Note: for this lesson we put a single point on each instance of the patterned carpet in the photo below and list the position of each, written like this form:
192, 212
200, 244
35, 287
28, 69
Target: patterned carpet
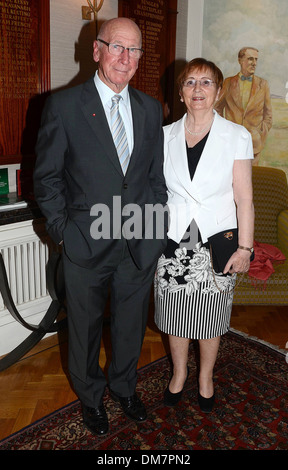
251, 411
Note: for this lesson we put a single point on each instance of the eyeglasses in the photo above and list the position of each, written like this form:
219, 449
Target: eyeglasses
117, 50
204, 83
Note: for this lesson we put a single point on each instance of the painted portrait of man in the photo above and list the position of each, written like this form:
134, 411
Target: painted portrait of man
245, 99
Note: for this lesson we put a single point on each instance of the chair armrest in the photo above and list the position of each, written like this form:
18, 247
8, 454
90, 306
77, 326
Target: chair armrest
282, 227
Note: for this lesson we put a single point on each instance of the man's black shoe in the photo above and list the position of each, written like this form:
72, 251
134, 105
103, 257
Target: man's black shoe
132, 407
95, 419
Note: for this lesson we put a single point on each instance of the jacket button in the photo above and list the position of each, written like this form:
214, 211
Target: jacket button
125, 185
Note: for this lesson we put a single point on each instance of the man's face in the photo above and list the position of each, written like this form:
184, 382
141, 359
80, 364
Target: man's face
248, 62
117, 71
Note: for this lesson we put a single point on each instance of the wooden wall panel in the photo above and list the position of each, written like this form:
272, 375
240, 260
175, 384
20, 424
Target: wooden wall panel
24, 74
157, 21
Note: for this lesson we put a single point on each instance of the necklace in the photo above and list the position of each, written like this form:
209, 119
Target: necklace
200, 132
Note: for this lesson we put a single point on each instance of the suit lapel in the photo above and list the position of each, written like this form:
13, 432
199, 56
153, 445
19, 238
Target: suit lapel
211, 153
95, 115
254, 90
177, 153
138, 116
235, 92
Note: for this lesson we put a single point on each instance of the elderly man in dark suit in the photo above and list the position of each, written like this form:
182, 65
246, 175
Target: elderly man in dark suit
91, 173
245, 99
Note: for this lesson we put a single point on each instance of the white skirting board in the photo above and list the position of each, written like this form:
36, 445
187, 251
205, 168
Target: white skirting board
12, 333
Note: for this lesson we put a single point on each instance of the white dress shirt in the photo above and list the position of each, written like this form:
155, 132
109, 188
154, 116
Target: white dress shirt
124, 107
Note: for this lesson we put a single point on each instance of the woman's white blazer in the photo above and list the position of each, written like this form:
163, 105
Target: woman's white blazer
208, 198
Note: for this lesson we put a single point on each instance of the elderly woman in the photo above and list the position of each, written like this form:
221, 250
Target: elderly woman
207, 167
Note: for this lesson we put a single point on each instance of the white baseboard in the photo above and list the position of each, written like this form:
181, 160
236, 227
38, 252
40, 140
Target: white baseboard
12, 333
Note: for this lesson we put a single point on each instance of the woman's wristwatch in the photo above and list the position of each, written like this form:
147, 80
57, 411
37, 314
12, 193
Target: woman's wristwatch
248, 249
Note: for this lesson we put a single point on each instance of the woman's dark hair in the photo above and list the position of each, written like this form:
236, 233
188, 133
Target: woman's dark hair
200, 64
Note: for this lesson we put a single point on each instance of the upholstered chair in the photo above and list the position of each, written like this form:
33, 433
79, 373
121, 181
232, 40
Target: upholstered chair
271, 227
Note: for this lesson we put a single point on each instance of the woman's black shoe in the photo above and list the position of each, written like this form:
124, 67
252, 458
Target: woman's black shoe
206, 404
171, 399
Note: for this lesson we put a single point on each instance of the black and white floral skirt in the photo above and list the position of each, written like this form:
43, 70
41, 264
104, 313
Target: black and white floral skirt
191, 301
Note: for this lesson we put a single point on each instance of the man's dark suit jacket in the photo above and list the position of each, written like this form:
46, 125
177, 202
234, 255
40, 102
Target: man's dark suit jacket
77, 167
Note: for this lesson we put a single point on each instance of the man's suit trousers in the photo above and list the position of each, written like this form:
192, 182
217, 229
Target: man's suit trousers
87, 292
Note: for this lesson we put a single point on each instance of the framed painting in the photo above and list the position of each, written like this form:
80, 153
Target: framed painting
228, 26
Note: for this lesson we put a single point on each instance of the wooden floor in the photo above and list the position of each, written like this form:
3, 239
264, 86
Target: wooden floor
38, 384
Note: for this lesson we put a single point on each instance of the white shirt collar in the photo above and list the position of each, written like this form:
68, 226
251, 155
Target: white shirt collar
106, 93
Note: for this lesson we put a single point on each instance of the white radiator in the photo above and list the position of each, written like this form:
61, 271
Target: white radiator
25, 249
25, 265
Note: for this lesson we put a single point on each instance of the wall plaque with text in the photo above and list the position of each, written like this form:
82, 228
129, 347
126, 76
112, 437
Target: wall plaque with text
24, 70
157, 21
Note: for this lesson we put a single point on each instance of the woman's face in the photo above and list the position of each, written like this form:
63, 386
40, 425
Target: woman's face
202, 94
